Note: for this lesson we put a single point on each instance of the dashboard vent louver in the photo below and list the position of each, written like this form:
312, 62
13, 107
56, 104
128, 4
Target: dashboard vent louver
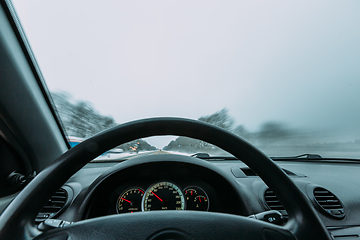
54, 206
274, 203
328, 202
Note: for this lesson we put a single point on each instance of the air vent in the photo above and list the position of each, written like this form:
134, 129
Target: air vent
328, 202
274, 203
55, 205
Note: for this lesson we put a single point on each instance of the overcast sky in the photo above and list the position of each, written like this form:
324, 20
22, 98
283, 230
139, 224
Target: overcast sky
297, 62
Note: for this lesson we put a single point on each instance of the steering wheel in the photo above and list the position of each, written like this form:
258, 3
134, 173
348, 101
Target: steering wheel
17, 221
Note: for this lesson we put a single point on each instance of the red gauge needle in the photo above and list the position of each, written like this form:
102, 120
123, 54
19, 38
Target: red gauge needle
156, 196
199, 199
126, 200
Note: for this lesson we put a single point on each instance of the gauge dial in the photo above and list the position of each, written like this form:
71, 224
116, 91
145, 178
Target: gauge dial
163, 196
196, 199
201, 203
130, 200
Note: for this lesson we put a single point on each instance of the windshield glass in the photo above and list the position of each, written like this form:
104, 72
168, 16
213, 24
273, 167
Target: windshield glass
284, 75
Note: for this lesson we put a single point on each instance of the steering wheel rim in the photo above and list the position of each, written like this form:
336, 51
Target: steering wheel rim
17, 221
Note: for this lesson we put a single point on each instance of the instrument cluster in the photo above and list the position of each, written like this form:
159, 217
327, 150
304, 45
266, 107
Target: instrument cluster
161, 186
163, 195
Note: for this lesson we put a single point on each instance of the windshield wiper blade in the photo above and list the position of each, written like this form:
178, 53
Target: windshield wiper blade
302, 156
315, 158
201, 155
307, 156
206, 156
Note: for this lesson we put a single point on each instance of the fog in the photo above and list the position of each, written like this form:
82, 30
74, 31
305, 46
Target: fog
295, 63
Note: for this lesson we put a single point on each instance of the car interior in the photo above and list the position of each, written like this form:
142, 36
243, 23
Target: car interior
52, 191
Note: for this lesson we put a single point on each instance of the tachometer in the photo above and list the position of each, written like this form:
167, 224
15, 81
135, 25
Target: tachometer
130, 200
163, 196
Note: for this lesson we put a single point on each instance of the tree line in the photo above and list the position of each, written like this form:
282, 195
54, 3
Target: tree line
270, 132
80, 119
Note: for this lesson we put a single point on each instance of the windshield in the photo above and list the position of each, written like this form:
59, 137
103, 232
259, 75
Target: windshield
284, 75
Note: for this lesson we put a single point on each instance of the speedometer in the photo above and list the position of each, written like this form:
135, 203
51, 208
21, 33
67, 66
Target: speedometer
163, 196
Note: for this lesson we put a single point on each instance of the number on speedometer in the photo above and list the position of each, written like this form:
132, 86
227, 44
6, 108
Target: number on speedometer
163, 196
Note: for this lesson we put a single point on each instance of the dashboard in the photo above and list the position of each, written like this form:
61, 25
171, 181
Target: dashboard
174, 182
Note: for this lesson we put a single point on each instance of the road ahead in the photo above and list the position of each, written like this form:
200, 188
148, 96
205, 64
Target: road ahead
126, 156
